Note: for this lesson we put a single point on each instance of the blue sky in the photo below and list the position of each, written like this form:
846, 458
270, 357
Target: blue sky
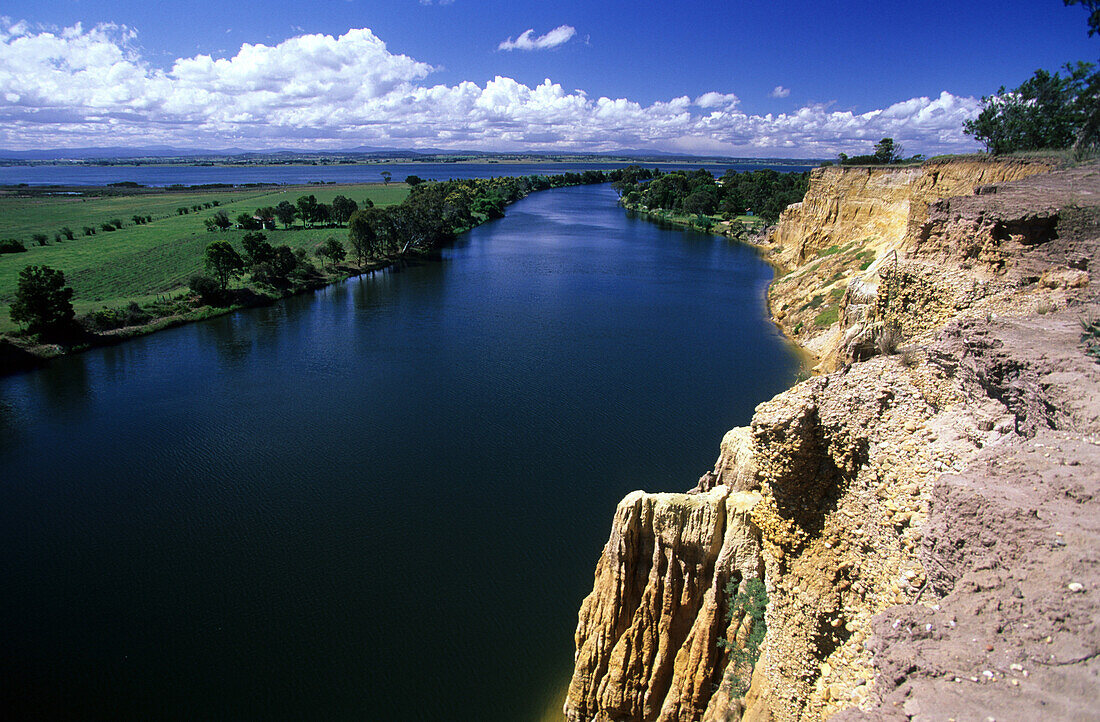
740, 78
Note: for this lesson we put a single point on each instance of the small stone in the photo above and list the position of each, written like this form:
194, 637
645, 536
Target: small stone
1014, 682
1016, 667
1075, 587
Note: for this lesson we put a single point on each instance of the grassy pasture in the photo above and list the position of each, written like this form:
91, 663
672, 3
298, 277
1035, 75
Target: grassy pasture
141, 262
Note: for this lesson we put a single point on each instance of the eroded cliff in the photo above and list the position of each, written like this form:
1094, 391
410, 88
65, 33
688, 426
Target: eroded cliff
891, 506
851, 223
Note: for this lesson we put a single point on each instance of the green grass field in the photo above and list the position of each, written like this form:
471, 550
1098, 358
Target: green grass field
141, 262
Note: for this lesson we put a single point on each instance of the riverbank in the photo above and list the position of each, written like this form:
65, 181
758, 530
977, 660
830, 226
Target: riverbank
21, 354
857, 495
736, 228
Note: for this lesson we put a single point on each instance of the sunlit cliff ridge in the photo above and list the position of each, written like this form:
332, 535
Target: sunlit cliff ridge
923, 512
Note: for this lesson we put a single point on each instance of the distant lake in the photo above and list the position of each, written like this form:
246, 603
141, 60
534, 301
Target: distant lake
381, 501
154, 175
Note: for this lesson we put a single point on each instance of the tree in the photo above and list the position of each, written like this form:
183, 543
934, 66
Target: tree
386, 175
42, 300
1093, 8
248, 222
703, 201
266, 214
887, 151
257, 250
342, 208
333, 250
221, 220
286, 213
367, 232
307, 209
224, 262
413, 180
1047, 112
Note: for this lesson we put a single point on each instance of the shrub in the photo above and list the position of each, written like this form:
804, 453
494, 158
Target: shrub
750, 603
12, 246
68, 233
814, 302
887, 340
207, 289
107, 319
40, 238
89, 231
1090, 336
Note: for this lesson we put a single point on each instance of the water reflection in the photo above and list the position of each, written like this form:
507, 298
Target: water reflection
10, 428
63, 387
231, 338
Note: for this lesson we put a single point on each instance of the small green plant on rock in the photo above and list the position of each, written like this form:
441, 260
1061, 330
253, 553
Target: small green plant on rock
1090, 335
827, 317
748, 606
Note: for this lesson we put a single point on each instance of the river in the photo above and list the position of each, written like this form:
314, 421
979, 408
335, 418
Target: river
382, 501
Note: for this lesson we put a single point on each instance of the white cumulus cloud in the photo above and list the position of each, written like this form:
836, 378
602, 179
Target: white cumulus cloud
92, 86
780, 92
712, 99
552, 39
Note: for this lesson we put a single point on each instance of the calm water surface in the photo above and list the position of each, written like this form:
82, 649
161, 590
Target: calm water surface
382, 501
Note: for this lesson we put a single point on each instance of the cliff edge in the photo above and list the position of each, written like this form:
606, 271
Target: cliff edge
924, 516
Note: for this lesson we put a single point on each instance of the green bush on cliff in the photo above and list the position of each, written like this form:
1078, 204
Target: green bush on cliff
1090, 336
746, 605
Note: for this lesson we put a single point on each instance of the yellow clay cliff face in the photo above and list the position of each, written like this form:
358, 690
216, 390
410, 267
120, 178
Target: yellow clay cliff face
646, 636
829, 496
851, 223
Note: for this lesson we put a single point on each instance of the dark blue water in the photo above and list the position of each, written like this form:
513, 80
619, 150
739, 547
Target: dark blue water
382, 501
154, 175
